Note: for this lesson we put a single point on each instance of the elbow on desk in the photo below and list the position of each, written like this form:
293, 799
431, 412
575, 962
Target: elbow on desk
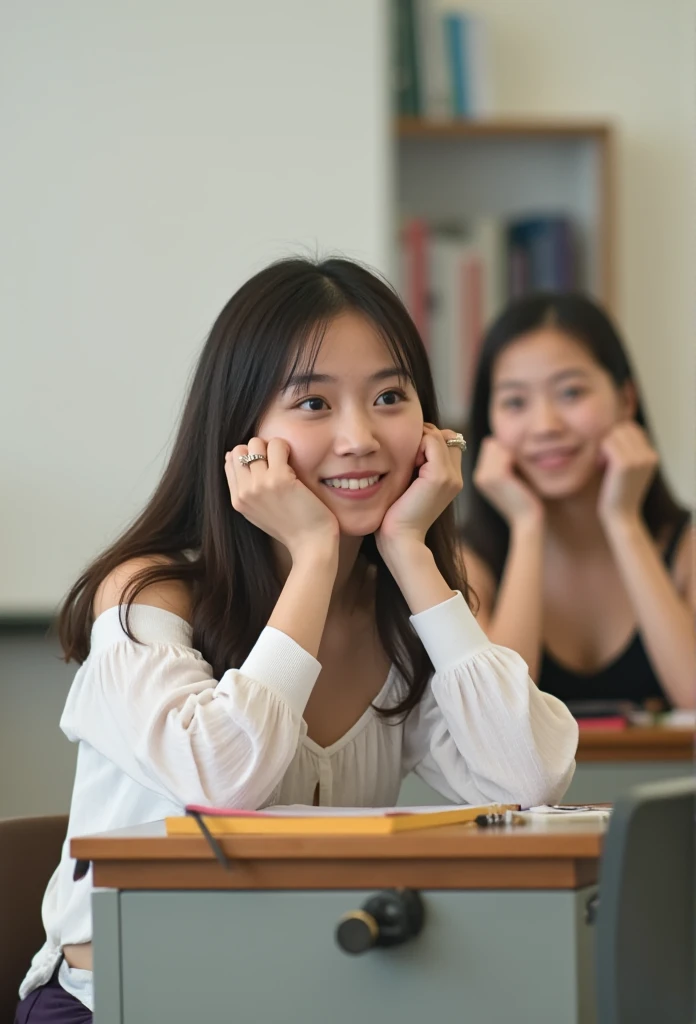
547, 789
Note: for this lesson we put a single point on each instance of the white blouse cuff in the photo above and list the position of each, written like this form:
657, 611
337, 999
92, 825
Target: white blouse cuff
449, 632
283, 667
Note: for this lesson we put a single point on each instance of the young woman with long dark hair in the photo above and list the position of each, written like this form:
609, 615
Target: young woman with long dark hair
582, 560
286, 621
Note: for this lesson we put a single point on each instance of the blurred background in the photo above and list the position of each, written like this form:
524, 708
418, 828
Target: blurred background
156, 153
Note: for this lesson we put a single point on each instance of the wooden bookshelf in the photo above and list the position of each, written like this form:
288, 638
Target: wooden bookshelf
415, 127
511, 167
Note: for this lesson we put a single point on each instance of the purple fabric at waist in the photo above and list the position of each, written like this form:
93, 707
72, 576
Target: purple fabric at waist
51, 1004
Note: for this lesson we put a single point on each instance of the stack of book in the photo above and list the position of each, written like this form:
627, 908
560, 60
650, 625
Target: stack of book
441, 62
455, 279
299, 819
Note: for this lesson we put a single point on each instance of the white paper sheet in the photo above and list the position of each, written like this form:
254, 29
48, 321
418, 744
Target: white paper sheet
309, 811
570, 812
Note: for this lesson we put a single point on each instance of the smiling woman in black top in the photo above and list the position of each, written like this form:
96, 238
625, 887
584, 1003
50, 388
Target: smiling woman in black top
581, 558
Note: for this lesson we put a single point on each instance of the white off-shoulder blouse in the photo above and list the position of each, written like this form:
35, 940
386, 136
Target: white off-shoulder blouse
157, 732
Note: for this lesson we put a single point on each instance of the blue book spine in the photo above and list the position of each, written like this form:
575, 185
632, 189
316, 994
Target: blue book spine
543, 257
455, 35
546, 245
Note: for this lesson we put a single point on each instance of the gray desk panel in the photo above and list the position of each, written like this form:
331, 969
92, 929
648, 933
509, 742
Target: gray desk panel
261, 957
106, 921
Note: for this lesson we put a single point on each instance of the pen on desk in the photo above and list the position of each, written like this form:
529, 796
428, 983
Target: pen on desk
211, 840
505, 818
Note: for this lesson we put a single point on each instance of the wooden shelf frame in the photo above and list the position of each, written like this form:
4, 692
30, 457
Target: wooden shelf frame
601, 133
415, 127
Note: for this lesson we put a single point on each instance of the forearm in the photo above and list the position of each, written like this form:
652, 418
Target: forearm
303, 605
516, 620
665, 621
483, 730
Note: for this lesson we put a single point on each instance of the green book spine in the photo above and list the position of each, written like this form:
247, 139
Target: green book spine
406, 58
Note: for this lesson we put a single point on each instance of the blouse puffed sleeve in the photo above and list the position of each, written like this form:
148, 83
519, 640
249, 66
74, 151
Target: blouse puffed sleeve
153, 708
484, 733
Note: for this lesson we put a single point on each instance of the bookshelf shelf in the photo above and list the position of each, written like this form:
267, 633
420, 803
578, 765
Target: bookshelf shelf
486, 208
419, 128
458, 186
507, 167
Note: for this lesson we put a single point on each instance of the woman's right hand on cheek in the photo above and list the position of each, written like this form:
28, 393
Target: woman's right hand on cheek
496, 479
269, 494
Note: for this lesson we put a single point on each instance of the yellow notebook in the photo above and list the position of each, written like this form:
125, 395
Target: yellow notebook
325, 821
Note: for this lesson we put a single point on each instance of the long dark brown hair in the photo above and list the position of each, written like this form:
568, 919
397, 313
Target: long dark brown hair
273, 322
484, 530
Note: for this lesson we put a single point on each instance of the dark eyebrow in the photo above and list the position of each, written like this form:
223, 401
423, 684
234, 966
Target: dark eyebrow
556, 378
303, 381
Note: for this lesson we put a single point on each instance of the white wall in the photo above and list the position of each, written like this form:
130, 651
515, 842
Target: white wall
632, 62
155, 153
37, 763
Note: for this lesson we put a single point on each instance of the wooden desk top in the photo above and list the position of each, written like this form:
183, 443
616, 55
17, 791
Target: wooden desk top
636, 743
544, 855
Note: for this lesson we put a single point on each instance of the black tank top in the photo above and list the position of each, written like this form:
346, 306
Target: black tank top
630, 676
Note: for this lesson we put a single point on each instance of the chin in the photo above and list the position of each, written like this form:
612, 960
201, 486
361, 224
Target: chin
359, 526
562, 486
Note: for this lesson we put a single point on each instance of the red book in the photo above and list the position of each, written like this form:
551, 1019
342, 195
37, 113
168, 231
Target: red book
473, 304
609, 722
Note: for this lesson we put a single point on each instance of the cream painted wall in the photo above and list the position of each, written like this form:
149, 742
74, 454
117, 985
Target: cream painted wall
156, 153
632, 62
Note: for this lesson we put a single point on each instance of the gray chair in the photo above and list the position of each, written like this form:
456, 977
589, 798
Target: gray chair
646, 962
30, 850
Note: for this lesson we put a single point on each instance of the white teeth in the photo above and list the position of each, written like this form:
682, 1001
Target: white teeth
353, 484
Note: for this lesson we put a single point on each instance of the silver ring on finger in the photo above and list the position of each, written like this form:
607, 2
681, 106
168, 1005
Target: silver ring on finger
247, 459
457, 442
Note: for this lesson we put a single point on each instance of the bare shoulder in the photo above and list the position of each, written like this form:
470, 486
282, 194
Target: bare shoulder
684, 566
171, 595
481, 580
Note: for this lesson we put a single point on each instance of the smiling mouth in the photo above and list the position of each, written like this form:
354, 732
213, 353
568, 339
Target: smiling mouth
552, 459
355, 488
342, 483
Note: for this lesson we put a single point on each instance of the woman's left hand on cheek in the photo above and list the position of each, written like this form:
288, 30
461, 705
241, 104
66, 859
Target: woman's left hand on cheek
631, 463
439, 481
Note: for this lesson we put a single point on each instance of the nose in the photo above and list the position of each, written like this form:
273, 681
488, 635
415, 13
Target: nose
355, 434
544, 416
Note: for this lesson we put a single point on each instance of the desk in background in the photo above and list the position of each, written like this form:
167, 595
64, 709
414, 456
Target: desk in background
608, 764
506, 938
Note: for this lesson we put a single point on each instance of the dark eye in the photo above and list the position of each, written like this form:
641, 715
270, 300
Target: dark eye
514, 402
391, 397
313, 405
572, 393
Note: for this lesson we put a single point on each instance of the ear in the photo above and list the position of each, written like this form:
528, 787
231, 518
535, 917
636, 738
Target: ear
627, 401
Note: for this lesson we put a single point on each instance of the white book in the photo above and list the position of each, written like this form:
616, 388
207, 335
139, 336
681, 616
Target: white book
488, 235
449, 341
478, 62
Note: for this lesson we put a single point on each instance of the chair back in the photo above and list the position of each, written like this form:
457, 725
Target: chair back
646, 962
30, 850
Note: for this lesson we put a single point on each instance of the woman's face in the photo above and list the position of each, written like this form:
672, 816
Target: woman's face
551, 405
354, 426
